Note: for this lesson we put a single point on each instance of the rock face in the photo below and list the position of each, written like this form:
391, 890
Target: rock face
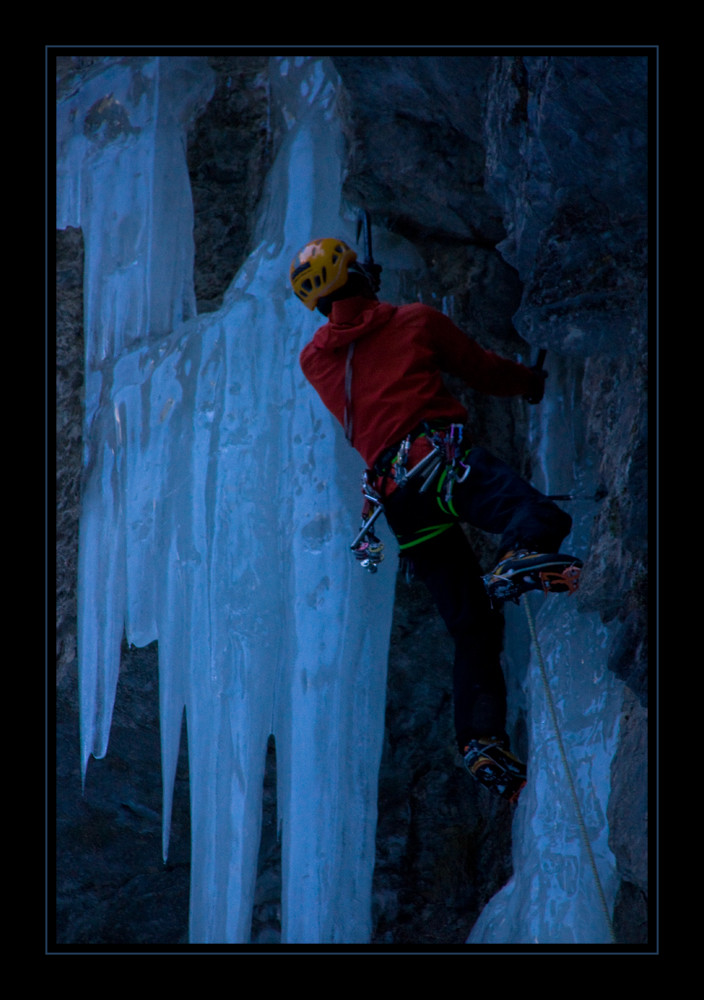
522, 181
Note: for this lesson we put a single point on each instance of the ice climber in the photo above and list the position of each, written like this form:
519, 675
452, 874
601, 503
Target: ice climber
378, 369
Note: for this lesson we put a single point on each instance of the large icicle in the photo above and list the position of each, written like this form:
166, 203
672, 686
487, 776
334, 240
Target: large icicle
220, 502
122, 178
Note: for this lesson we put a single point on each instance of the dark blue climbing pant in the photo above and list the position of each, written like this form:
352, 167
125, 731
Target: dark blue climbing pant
496, 500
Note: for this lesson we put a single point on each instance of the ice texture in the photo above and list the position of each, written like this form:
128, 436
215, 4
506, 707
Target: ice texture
220, 500
218, 504
122, 178
565, 880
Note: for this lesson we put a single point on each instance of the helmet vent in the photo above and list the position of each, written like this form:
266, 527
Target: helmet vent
320, 268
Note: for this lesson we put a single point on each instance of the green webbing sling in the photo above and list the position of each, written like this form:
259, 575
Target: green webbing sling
425, 534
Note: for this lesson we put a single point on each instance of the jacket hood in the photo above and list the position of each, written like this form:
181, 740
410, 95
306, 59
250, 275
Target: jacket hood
351, 319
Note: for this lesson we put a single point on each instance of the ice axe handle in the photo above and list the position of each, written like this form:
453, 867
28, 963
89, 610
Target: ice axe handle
372, 270
364, 227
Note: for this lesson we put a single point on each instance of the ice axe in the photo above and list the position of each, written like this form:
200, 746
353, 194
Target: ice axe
371, 270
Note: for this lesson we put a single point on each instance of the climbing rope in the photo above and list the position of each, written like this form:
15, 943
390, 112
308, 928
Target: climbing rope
563, 755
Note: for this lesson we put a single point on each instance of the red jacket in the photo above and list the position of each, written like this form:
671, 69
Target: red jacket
400, 354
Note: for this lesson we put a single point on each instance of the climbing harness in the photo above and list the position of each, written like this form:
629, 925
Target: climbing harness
368, 549
446, 454
565, 764
426, 468
446, 462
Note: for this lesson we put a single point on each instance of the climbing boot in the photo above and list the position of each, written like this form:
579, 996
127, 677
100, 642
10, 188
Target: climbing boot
522, 570
491, 764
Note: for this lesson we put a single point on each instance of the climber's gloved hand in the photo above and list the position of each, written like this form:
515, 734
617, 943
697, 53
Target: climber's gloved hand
538, 391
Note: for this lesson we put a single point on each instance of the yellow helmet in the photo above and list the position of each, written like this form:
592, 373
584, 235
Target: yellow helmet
319, 269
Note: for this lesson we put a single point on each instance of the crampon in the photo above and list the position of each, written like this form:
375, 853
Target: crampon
521, 571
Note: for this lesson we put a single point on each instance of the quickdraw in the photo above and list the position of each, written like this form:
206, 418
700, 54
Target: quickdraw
446, 453
367, 548
456, 468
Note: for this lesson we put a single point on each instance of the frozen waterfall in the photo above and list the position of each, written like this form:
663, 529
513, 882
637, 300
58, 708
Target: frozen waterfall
565, 880
219, 501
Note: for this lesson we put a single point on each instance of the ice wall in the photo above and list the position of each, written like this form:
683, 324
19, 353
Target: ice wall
220, 498
565, 880
122, 178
